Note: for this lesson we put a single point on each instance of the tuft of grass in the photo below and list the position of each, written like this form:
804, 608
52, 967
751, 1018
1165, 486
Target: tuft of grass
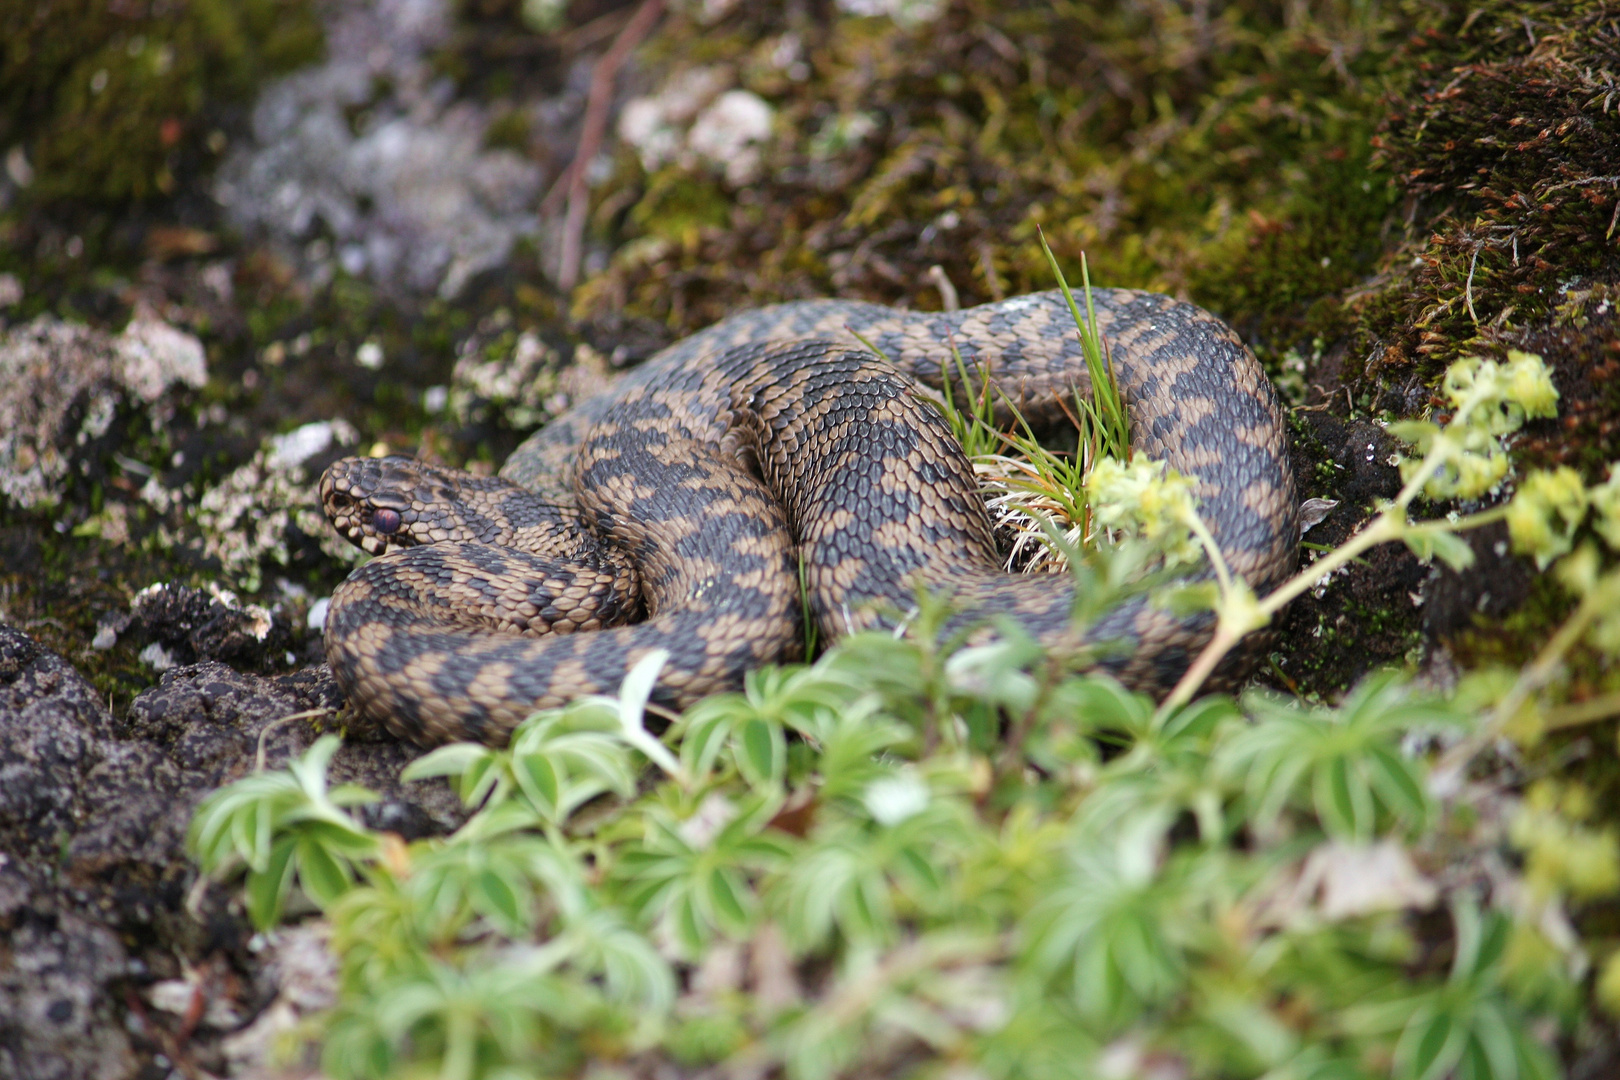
1104, 424
1033, 491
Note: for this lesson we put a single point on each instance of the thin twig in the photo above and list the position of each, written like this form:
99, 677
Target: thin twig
947, 291
309, 714
1582, 712
1468, 289
597, 103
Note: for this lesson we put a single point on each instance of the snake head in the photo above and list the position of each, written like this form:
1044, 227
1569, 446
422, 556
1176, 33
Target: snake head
382, 504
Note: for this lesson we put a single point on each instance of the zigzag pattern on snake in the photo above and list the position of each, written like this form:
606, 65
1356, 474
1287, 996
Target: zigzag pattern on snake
672, 511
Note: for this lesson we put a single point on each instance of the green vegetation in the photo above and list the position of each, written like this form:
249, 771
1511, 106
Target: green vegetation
1036, 492
106, 100
921, 855
1220, 151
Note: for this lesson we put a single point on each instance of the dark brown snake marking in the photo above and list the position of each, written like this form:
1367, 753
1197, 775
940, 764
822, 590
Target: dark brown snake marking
685, 496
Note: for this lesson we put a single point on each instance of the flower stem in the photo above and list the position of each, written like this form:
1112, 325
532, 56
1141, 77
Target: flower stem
1234, 621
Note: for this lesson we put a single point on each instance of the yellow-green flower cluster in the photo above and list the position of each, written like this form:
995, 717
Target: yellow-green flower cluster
1606, 508
1145, 499
1543, 516
1550, 506
1500, 397
1561, 855
1582, 574
1488, 400
1473, 461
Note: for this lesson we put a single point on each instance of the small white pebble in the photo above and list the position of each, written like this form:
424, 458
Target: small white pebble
157, 657
106, 637
317, 614
299, 445
369, 356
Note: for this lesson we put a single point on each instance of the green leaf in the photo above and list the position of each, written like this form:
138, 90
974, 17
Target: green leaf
1429, 1046
1413, 431
322, 876
1335, 804
310, 769
764, 752
1397, 782
724, 891
1493, 1032
704, 736
1199, 719
478, 779
1449, 548
267, 889
452, 759
501, 900
637, 688
339, 837
537, 779
1105, 704
1189, 599
1481, 940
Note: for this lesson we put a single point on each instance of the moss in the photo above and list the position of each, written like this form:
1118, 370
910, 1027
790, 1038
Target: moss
1506, 147
1219, 152
1357, 622
508, 131
109, 98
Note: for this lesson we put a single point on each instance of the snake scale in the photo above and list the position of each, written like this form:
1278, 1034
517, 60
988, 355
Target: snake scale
673, 510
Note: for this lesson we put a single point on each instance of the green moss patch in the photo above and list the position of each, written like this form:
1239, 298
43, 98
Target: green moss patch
1507, 150
109, 100
1221, 153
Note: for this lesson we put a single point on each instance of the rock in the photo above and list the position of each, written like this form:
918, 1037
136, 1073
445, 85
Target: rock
59, 1016
193, 624
248, 518
61, 386
105, 806
51, 723
411, 198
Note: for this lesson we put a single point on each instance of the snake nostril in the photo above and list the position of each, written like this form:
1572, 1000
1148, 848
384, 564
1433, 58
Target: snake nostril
386, 521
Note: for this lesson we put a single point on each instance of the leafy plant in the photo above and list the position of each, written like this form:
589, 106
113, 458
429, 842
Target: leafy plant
945, 851
1345, 764
284, 826
699, 887
1468, 1026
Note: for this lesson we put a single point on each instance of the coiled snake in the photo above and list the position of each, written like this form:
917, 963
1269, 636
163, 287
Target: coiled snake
673, 510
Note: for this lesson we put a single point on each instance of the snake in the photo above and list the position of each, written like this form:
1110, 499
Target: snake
786, 464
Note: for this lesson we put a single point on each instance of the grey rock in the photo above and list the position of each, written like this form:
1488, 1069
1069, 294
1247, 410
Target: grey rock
58, 1010
409, 196
93, 818
51, 723
61, 386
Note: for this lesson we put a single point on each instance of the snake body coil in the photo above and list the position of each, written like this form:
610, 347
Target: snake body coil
673, 511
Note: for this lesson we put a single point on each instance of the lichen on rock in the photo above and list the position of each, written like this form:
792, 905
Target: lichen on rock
246, 517
61, 385
364, 165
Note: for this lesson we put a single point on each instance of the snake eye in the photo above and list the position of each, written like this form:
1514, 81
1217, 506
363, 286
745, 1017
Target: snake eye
386, 521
